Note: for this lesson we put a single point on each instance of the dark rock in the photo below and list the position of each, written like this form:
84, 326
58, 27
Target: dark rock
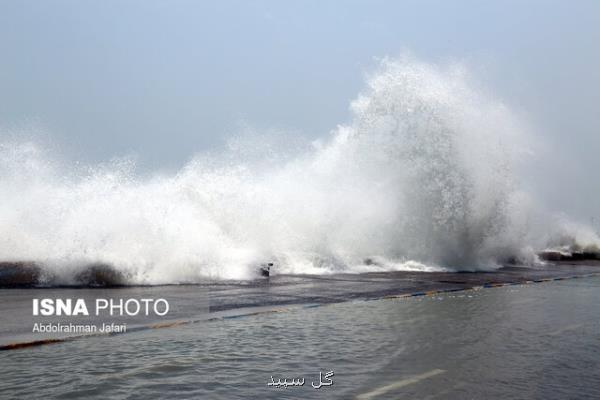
551, 255
19, 274
100, 275
555, 255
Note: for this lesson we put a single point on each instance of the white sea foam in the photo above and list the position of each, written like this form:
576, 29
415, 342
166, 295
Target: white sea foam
421, 179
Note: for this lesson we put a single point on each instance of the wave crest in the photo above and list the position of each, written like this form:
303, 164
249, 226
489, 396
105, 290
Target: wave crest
421, 178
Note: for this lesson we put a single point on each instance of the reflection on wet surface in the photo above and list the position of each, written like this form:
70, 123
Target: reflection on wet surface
518, 342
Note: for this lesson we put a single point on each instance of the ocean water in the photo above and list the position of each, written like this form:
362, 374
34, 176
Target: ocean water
537, 341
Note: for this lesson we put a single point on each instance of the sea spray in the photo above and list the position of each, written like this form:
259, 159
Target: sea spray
421, 178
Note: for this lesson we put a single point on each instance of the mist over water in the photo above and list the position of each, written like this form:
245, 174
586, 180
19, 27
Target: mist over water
422, 178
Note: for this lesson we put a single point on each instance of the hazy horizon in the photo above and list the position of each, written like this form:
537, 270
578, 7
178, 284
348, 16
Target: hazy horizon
166, 80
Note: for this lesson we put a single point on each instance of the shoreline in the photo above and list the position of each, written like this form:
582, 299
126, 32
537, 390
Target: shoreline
30, 275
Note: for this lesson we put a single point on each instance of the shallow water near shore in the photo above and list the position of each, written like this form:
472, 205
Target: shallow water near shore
529, 341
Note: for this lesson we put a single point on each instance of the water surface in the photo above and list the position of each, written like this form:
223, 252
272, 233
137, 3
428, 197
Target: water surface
518, 342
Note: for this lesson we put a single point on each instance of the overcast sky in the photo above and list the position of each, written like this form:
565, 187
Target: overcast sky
166, 79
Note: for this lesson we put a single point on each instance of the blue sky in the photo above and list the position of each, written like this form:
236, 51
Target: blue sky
165, 80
